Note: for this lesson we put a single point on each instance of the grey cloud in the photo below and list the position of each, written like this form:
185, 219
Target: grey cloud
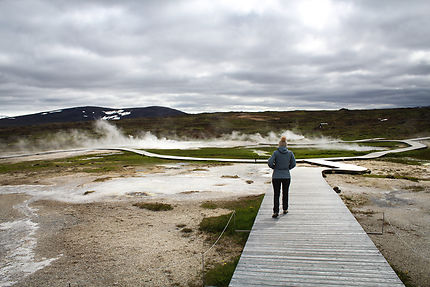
202, 54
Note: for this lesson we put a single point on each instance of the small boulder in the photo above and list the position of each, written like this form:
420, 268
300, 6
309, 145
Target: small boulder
336, 189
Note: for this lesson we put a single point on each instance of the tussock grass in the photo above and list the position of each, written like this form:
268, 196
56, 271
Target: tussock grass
156, 206
209, 205
102, 179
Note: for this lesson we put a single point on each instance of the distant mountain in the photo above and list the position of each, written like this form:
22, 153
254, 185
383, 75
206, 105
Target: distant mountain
80, 114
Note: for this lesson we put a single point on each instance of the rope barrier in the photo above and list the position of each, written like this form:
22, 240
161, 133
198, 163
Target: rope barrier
219, 237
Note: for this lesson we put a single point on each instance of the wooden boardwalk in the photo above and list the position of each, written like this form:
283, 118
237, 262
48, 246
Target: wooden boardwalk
318, 243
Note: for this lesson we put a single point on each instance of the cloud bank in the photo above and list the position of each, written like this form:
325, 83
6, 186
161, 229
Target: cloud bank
214, 55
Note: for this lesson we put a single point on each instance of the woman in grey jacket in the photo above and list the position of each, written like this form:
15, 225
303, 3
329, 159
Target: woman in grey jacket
281, 161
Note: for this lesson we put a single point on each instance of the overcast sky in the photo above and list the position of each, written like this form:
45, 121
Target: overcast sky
212, 55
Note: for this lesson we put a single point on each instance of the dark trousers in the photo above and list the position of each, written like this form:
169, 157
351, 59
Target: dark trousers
276, 182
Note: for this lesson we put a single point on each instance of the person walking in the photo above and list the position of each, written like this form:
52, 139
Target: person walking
281, 161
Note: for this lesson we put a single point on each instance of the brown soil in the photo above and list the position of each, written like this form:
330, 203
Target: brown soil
406, 206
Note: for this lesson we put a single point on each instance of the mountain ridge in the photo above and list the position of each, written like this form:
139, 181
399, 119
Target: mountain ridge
89, 113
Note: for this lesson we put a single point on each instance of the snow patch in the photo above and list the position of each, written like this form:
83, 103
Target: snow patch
56, 111
108, 118
115, 114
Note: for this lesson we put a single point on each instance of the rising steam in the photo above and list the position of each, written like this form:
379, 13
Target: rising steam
107, 135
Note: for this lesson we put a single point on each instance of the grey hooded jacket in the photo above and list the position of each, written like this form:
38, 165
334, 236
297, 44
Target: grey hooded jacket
281, 161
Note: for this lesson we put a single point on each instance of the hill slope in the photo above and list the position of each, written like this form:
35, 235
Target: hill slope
89, 113
342, 124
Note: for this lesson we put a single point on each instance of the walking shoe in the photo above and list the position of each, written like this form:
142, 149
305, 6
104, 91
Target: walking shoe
275, 215
285, 211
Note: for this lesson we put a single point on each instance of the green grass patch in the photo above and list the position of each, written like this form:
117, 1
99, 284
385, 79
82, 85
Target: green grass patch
209, 205
28, 166
415, 157
317, 153
246, 153
246, 211
156, 206
221, 274
385, 144
231, 153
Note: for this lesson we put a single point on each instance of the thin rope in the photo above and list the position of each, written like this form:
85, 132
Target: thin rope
219, 237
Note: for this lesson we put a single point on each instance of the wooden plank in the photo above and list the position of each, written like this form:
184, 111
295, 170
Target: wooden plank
318, 243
